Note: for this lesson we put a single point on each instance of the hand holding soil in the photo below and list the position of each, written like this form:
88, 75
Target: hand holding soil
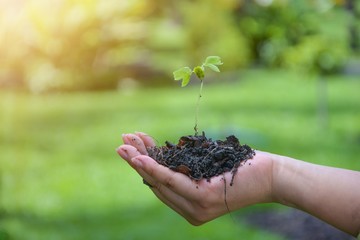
331, 194
199, 201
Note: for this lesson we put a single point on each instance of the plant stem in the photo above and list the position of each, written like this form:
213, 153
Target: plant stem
197, 108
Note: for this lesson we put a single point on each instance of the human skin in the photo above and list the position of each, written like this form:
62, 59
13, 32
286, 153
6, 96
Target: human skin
331, 194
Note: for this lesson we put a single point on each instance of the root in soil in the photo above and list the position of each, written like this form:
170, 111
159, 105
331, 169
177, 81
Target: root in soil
199, 157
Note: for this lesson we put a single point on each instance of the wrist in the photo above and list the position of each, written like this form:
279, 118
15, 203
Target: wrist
281, 180
288, 180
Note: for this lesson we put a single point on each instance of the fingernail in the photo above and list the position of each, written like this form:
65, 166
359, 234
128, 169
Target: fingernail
137, 162
122, 153
125, 138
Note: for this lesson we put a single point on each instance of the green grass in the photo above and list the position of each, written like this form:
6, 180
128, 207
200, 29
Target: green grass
60, 177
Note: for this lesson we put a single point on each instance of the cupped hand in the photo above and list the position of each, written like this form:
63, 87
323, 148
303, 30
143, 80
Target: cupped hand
200, 201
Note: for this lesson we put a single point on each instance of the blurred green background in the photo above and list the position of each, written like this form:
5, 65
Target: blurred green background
75, 75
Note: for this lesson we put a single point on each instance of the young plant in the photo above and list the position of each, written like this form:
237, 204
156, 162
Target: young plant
184, 74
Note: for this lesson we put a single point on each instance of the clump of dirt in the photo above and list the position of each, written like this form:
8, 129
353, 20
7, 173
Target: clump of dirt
199, 157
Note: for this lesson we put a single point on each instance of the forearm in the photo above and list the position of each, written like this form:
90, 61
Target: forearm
330, 194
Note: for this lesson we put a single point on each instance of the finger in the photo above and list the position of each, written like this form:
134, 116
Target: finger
167, 196
164, 193
148, 141
175, 201
127, 152
137, 142
176, 182
178, 204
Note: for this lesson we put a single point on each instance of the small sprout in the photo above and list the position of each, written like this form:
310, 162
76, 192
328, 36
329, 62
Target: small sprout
184, 74
212, 62
199, 71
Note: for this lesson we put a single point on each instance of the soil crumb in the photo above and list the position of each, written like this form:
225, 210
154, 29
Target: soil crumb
199, 157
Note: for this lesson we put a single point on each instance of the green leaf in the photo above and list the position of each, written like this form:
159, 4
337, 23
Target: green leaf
183, 74
212, 62
199, 71
216, 60
212, 67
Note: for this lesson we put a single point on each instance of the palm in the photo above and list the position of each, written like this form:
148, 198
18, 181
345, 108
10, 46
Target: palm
200, 201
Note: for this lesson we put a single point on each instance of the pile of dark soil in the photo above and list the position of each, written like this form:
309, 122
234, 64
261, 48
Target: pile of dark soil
199, 157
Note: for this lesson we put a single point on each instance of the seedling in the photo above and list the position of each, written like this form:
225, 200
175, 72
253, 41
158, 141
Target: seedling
184, 74
195, 155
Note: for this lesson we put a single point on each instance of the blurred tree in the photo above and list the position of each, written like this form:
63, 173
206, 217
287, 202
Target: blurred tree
306, 36
11, 70
354, 9
295, 34
190, 30
67, 45
210, 29
79, 44
87, 44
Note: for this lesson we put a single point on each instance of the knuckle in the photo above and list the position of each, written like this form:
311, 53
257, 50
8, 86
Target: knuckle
195, 222
204, 205
199, 219
132, 152
151, 171
169, 181
158, 187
